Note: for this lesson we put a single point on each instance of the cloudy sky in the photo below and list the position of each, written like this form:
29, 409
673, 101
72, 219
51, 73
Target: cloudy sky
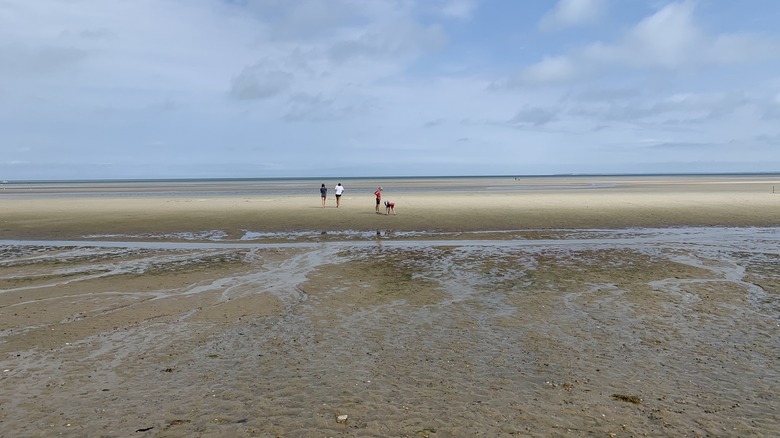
295, 88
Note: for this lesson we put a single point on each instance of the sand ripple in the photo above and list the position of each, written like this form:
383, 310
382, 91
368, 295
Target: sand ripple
549, 335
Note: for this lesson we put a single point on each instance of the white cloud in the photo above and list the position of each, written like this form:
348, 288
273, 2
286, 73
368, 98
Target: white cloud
462, 9
551, 70
308, 19
669, 39
731, 48
39, 60
405, 41
146, 44
670, 109
568, 13
533, 116
303, 107
770, 110
257, 82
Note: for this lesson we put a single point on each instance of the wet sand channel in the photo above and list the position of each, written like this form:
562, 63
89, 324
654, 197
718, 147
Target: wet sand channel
639, 332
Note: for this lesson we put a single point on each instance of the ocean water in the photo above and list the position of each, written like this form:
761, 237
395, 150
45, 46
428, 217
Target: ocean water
644, 332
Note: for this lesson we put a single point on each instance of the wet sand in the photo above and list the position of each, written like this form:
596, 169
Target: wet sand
68, 212
432, 328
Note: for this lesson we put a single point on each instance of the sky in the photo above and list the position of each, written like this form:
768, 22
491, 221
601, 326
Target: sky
96, 89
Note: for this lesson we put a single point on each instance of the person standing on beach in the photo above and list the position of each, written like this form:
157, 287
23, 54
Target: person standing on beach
323, 194
378, 194
339, 191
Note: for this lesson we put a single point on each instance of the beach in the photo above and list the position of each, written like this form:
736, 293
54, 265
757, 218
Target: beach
548, 306
72, 211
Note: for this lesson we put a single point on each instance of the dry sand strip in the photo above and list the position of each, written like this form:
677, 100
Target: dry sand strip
608, 204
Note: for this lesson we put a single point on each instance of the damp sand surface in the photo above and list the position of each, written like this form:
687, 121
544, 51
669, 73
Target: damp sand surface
630, 332
264, 210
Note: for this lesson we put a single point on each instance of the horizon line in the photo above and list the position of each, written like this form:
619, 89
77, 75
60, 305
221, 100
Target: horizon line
157, 179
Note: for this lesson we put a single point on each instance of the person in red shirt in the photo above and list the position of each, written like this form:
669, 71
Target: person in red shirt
378, 194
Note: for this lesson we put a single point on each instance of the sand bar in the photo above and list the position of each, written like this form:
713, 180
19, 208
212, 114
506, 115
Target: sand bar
72, 211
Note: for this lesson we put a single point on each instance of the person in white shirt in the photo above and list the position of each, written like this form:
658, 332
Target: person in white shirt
339, 191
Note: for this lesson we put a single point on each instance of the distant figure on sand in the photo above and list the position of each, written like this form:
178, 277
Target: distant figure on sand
339, 191
323, 194
389, 207
378, 194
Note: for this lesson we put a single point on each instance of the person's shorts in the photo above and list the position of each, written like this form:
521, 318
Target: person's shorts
338, 196
378, 201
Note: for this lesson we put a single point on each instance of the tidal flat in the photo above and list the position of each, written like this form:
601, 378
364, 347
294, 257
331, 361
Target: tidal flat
631, 332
